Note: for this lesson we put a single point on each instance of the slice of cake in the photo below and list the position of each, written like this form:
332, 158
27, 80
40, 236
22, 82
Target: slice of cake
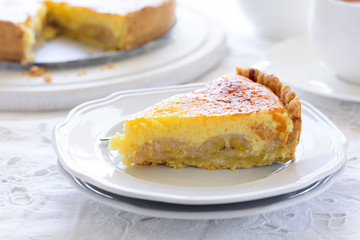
108, 24
237, 121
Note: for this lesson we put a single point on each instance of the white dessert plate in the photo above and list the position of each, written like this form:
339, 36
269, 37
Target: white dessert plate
180, 56
295, 62
197, 212
321, 152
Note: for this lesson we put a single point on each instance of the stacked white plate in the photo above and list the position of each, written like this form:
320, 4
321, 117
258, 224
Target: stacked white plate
190, 193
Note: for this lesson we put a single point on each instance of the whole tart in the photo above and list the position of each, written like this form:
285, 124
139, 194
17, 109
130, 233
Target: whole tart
237, 121
108, 24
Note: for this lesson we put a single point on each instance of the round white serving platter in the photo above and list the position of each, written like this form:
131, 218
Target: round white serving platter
180, 56
321, 151
295, 62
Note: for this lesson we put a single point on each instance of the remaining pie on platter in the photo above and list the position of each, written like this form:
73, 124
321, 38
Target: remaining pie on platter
108, 24
237, 121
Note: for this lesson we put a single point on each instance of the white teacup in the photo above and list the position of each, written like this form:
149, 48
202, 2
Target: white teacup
277, 19
334, 32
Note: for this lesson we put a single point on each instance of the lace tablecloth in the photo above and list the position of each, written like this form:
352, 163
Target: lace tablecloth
38, 203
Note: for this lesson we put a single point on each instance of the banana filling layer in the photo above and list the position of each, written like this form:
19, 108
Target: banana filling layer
228, 151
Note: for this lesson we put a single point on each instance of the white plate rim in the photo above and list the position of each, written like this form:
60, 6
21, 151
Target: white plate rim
212, 213
122, 190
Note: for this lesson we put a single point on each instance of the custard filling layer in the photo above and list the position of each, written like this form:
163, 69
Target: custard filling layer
245, 141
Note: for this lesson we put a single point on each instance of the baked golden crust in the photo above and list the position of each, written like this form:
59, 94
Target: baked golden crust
149, 23
285, 93
20, 26
12, 36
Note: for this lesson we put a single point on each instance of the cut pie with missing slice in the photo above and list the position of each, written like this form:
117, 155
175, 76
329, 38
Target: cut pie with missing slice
237, 121
108, 24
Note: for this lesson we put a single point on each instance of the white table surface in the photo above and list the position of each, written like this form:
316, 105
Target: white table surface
36, 201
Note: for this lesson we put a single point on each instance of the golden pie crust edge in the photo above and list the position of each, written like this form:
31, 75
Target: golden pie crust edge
12, 36
149, 23
287, 96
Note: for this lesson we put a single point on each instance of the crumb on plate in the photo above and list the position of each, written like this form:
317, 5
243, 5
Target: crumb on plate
48, 78
81, 73
36, 71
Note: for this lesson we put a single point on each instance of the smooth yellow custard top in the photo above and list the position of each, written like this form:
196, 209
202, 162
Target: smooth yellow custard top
228, 95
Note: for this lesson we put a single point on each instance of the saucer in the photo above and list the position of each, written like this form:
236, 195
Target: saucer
295, 63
